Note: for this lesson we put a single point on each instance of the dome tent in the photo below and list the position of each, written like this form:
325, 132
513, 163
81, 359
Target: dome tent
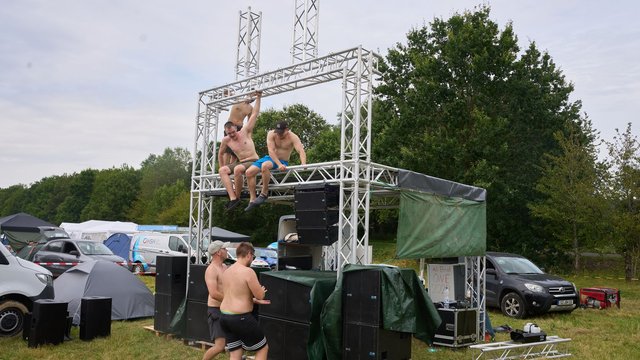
130, 297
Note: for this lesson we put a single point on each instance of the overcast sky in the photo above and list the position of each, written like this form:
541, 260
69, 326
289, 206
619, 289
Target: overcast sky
101, 83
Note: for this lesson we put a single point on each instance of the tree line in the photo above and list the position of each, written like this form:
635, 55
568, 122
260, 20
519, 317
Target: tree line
458, 100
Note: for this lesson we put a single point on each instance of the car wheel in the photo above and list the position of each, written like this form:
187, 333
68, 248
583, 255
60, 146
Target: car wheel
513, 306
138, 268
11, 317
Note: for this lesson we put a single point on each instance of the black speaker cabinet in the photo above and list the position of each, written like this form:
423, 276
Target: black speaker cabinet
197, 324
287, 339
289, 300
26, 326
197, 287
317, 235
95, 317
48, 322
316, 218
458, 327
315, 197
364, 342
361, 297
171, 274
165, 307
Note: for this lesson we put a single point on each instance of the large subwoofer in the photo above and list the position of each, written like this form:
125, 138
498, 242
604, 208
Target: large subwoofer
361, 297
197, 327
365, 342
197, 286
48, 322
316, 221
95, 317
287, 340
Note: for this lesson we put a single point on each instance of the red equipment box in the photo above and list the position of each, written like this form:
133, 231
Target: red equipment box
599, 297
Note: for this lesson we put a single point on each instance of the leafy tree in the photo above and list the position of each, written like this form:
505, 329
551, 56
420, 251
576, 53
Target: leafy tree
624, 152
80, 188
573, 203
326, 146
461, 101
178, 211
113, 193
12, 199
169, 169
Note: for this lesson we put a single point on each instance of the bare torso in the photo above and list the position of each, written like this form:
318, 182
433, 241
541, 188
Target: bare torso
243, 146
238, 298
240, 111
213, 277
284, 145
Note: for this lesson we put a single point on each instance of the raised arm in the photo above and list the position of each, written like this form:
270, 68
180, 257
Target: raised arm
254, 114
297, 144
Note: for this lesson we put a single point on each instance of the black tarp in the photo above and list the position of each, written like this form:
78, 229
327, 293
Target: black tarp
226, 235
22, 222
21, 229
433, 185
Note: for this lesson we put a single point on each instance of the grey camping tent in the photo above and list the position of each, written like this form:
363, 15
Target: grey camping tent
130, 297
21, 229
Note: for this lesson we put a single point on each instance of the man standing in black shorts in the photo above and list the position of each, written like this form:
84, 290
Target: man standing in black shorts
241, 290
213, 279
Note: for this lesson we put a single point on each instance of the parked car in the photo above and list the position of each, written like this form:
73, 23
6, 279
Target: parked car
58, 255
256, 263
519, 288
21, 283
268, 255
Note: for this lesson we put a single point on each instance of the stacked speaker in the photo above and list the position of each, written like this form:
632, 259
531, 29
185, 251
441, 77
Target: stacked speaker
197, 295
363, 336
316, 215
95, 317
48, 323
171, 285
287, 320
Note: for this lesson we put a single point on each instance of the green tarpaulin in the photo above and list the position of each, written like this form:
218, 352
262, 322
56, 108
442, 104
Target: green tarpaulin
432, 226
405, 307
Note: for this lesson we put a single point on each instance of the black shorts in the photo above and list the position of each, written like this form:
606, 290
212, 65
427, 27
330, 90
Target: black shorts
242, 331
215, 327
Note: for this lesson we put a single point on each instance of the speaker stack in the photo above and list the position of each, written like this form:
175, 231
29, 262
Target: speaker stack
363, 335
48, 323
287, 321
197, 295
171, 285
316, 216
95, 317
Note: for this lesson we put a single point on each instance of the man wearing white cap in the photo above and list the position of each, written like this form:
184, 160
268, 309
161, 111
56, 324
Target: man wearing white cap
213, 278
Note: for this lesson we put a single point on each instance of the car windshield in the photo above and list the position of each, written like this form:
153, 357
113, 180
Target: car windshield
93, 248
232, 253
266, 253
517, 265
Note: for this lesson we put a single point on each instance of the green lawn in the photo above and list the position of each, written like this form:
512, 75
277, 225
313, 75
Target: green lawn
596, 334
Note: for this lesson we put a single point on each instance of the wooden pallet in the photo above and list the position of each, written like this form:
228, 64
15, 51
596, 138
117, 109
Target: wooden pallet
203, 345
159, 333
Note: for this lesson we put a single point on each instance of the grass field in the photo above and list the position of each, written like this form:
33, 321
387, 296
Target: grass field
596, 334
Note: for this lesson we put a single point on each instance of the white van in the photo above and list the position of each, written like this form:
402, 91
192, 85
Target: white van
145, 247
21, 283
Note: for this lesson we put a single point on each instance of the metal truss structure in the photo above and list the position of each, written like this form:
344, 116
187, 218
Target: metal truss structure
248, 51
475, 288
305, 30
363, 184
354, 172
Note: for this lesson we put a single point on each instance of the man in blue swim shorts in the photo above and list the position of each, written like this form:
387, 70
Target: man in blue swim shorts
280, 143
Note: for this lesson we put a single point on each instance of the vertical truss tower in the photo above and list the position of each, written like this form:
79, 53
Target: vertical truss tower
305, 30
248, 52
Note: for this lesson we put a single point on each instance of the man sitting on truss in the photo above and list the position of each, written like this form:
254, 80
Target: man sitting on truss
241, 143
280, 144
